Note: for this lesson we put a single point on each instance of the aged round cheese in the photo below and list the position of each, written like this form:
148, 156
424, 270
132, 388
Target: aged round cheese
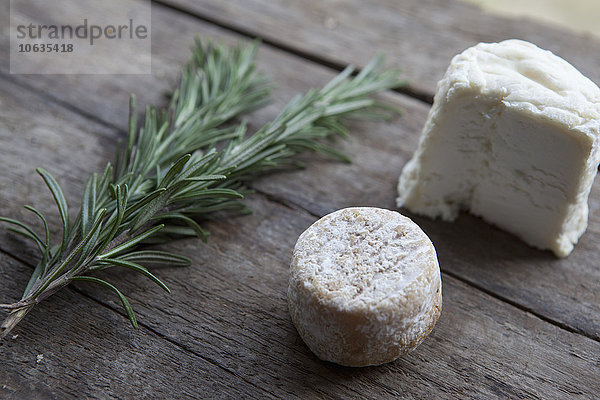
364, 286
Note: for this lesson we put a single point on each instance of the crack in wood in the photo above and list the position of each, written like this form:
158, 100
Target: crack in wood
296, 207
406, 90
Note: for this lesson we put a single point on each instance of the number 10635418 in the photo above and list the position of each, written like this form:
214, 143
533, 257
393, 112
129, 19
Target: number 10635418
45, 48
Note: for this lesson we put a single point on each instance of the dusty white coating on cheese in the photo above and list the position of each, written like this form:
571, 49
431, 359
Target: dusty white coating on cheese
364, 286
526, 77
512, 136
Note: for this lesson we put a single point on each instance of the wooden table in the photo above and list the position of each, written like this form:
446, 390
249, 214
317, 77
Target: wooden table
516, 322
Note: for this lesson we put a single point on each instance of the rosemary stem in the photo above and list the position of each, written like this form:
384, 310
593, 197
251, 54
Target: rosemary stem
183, 163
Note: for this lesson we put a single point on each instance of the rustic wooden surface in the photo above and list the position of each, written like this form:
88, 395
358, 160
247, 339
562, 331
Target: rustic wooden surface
516, 322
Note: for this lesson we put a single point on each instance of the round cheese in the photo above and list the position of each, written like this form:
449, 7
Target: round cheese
364, 286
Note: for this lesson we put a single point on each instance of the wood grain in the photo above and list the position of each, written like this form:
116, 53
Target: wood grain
419, 36
235, 299
225, 331
536, 282
74, 348
230, 308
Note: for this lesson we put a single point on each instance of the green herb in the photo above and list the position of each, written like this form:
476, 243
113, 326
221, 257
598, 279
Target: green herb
184, 163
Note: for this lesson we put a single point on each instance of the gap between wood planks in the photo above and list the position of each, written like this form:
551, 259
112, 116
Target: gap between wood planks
407, 89
285, 202
165, 337
143, 325
294, 206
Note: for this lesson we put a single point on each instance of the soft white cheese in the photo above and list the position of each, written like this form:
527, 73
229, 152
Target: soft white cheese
513, 137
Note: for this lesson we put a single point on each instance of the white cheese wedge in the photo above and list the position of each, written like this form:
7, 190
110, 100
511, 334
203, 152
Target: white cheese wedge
513, 137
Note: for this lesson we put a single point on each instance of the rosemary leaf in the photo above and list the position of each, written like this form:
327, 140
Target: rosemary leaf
61, 202
124, 300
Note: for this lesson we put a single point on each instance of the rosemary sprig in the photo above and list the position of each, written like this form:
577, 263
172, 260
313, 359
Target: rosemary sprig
183, 164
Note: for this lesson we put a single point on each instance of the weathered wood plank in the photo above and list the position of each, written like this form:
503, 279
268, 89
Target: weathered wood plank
562, 290
72, 348
42, 134
419, 36
469, 249
234, 297
230, 308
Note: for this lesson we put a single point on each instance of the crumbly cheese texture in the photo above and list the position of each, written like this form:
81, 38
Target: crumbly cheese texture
364, 286
513, 137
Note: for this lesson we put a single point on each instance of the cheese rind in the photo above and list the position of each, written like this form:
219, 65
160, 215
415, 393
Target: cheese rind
512, 136
364, 286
